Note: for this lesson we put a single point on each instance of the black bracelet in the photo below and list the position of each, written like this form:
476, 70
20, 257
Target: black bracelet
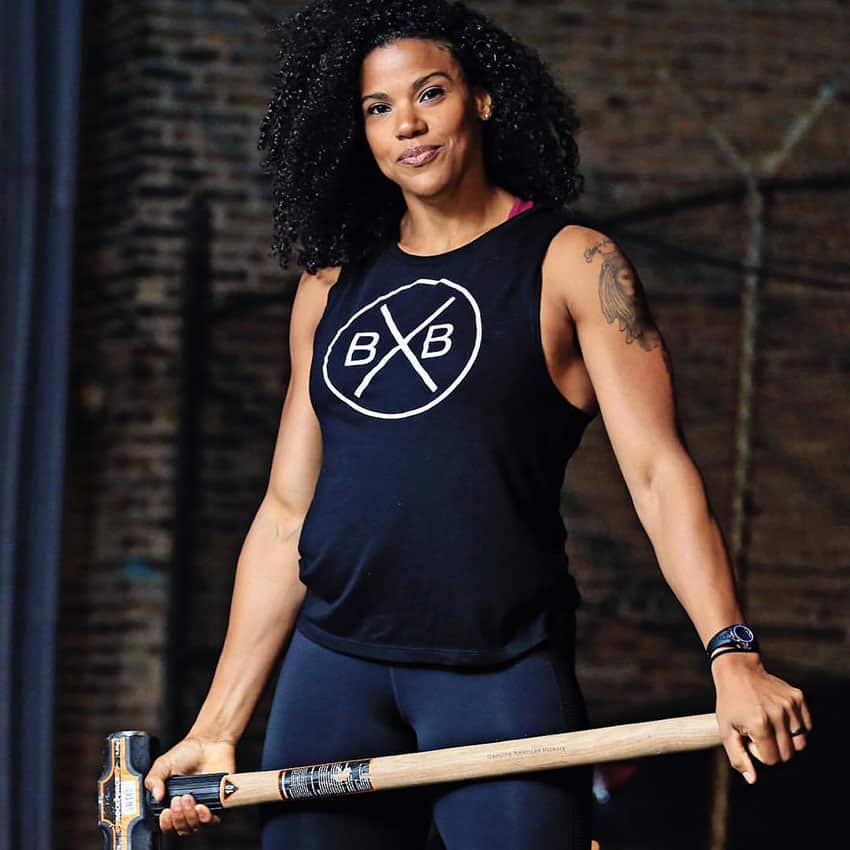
726, 649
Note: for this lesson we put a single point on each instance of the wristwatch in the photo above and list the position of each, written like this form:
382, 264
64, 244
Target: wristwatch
735, 638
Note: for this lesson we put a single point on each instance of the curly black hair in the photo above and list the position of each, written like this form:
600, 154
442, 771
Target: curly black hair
330, 199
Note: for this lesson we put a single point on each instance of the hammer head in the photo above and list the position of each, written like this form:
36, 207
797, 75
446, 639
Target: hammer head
126, 815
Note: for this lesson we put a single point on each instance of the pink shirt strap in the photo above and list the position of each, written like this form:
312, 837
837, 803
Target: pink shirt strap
519, 206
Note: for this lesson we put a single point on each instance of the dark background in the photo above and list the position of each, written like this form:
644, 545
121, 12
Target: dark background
715, 145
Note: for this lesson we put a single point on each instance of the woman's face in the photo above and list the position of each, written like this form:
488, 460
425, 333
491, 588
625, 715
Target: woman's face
413, 95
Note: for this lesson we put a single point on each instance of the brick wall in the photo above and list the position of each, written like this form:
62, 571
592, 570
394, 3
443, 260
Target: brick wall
173, 93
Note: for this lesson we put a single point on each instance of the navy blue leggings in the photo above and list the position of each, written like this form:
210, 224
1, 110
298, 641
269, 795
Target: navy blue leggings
330, 706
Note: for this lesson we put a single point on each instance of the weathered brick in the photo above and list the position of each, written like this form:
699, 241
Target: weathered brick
172, 97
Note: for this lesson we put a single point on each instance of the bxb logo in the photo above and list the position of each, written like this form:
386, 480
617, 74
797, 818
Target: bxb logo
405, 351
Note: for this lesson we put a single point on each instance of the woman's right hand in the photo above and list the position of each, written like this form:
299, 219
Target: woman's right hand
192, 755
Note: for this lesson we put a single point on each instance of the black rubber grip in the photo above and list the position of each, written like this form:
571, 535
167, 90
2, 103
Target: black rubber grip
204, 787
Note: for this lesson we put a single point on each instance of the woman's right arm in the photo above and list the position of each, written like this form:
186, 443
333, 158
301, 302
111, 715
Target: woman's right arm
267, 591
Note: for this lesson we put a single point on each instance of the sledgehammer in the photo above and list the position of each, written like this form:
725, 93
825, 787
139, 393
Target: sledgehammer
128, 814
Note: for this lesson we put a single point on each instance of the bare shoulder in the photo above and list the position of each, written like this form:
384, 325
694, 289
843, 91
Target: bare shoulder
311, 297
324, 278
328, 275
567, 274
575, 244
313, 289
593, 275
566, 266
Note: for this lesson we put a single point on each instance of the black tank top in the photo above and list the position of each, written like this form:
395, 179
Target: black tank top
435, 533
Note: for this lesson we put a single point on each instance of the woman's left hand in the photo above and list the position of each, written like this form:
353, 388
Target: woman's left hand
757, 713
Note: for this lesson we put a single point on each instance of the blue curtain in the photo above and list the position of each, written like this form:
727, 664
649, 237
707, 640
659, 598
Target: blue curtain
39, 86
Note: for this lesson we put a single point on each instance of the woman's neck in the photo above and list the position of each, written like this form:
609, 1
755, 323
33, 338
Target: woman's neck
425, 229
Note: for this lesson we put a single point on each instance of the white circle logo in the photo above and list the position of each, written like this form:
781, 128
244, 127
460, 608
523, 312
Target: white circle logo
406, 351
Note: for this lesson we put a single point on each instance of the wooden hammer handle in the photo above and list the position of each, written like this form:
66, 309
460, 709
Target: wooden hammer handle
543, 752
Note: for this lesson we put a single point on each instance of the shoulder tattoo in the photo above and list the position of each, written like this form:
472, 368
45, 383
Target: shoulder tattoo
622, 297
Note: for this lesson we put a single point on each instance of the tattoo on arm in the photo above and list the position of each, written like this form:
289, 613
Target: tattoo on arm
622, 297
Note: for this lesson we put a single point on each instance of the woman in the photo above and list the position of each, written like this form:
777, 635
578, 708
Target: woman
453, 333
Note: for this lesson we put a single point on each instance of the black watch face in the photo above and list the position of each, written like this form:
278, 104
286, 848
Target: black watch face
742, 633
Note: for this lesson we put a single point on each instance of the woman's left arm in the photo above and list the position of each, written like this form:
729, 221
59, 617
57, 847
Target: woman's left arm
631, 371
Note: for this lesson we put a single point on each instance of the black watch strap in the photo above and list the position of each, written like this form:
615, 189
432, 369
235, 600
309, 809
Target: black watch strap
735, 638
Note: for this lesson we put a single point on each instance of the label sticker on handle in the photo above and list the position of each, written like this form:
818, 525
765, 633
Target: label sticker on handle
333, 779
